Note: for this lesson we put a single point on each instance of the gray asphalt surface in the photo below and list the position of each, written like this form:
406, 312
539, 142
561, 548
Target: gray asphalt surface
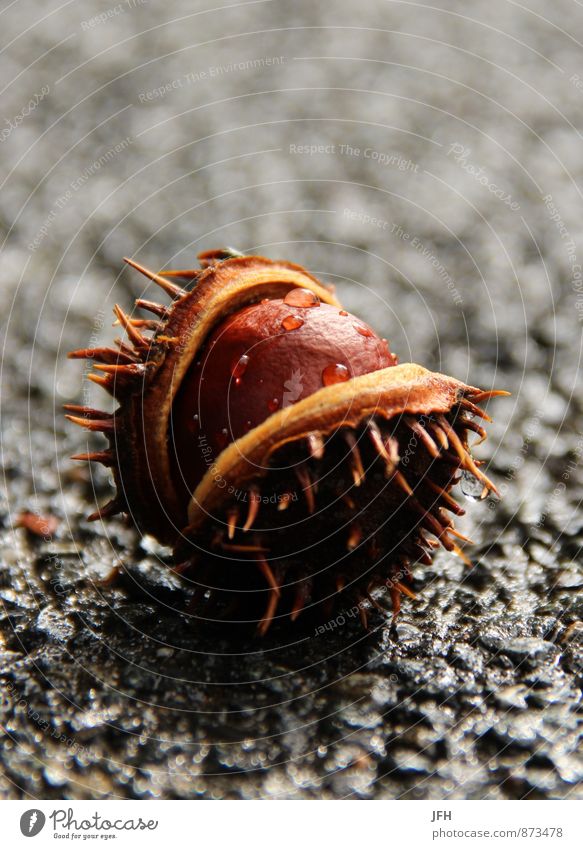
427, 160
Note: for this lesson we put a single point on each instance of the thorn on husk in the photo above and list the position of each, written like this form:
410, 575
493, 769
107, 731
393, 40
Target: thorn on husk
170, 288
158, 309
106, 458
112, 508
273, 598
315, 445
356, 460
302, 595
232, 519
253, 511
307, 485
132, 332
420, 431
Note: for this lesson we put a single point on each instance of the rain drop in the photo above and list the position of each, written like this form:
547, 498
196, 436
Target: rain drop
472, 488
301, 298
273, 405
240, 368
342, 312
223, 438
292, 322
335, 373
364, 331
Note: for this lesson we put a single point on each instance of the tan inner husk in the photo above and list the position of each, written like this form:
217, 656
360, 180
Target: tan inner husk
408, 388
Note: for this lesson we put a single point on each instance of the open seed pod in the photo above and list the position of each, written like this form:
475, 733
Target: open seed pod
273, 440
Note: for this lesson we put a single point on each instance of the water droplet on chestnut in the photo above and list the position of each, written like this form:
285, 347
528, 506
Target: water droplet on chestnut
240, 368
292, 322
335, 373
364, 330
301, 298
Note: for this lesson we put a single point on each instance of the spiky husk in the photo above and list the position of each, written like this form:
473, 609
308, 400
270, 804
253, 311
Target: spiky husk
323, 503
327, 516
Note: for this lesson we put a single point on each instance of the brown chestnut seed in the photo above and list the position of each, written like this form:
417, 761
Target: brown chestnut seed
256, 362
272, 440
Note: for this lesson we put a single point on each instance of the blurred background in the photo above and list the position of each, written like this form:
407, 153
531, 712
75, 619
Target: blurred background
427, 160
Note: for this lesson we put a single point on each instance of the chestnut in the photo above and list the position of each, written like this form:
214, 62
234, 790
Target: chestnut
273, 440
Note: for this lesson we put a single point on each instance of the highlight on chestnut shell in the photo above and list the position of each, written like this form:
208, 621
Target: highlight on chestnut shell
275, 442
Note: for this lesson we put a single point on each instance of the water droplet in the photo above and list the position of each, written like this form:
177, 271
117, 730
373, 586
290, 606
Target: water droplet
335, 373
301, 298
273, 405
364, 331
472, 488
239, 368
223, 438
265, 300
342, 312
292, 322
195, 417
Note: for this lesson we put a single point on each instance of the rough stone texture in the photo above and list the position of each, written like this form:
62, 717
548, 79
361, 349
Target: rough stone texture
107, 691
